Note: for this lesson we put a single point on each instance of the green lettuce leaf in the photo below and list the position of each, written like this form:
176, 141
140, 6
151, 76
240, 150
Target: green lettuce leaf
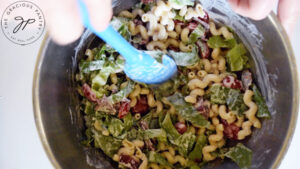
220, 42
89, 66
158, 134
236, 58
128, 121
196, 34
158, 158
182, 2
121, 25
235, 102
122, 94
241, 155
157, 55
196, 153
218, 94
116, 127
263, 111
171, 131
185, 58
187, 111
108, 144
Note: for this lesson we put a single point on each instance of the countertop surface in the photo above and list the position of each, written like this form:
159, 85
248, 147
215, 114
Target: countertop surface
20, 146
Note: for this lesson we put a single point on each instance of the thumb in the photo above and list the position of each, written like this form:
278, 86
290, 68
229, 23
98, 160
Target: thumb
288, 14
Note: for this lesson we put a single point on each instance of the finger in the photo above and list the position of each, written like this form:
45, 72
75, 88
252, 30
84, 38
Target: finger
63, 20
100, 12
288, 14
255, 9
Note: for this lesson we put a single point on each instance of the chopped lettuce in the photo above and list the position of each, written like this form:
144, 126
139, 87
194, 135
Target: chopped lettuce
116, 127
196, 153
105, 49
185, 58
231, 97
220, 42
121, 25
157, 55
158, 134
128, 121
182, 2
218, 94
109, 67
168, 126
263, 111
122, 94
88, 107
236, 58
185, 143
108, 144
235, 102
196, 34
88, 66
241, 155
154, 157
187, 111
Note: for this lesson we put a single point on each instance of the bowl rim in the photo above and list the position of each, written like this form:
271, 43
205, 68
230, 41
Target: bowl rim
291, 128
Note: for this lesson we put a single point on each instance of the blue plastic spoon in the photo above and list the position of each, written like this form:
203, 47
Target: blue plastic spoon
139, 66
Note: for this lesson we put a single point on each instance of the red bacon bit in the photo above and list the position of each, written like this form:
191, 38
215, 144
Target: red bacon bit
137, 22
141, 105
180, 127
231, 82
202, 108
178, 22
124, 109
203, 49
192, 25
174, 48
147, 1
246, 79
129, 161
230, 130
88, 93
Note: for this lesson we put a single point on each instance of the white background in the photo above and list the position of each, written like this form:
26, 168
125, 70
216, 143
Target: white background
20, 146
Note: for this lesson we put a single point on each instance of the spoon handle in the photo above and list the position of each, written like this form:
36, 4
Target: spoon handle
110, 36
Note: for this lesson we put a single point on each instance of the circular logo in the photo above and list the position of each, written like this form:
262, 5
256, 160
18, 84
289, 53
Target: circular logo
23, 22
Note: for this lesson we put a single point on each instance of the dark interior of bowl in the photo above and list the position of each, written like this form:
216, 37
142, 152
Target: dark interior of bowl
62, 121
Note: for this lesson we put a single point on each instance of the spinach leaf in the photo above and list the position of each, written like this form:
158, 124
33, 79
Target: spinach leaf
168, 126
185, 143
182, 2
105, 49
121, 25
88, 107
235, 102
218, 94
88, 66
122, 94
196, 153
241, 155
196, 34
128, 121
116, 127
232, 97
185, 58
109, 67
159, 134
263, 111
236, 58
108, 144
187, 111
158, 158
220, 42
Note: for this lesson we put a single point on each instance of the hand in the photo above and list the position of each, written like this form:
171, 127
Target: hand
288, 11
64, 20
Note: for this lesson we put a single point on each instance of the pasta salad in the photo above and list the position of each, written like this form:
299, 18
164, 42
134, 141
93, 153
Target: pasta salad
199, 115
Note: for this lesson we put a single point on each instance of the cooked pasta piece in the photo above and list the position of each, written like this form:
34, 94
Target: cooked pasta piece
228, 116
222, 31
246, 130
197, 83
251, 113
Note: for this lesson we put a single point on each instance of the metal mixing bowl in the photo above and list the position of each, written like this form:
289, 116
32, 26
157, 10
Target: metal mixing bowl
60, 123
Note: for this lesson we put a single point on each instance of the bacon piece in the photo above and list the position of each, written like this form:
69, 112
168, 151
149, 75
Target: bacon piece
124, 109
231, 82
88, 93
129, 161
246, 79
180, 127
147, 1
203, 49
192, 25
230, 130
141, 106
174, 48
